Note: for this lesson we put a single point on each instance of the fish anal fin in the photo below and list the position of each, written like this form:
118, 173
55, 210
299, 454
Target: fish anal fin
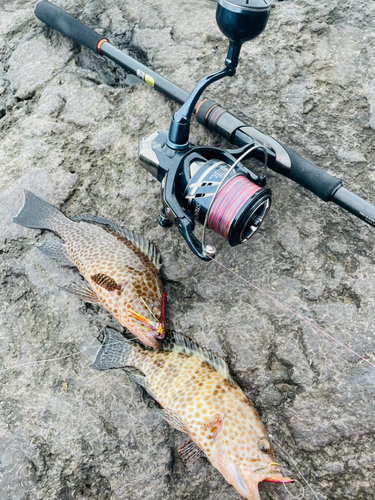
57, 251
190, 453
106, 282
140, 379
82, 290
143, 244
173, 419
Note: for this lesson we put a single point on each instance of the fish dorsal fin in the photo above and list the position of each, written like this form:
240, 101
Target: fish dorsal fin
181, 343
143, 244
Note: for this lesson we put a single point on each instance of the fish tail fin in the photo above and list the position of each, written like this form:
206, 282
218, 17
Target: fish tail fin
115, 351
39, 214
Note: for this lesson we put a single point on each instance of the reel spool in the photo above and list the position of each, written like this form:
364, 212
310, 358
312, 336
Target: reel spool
235, 211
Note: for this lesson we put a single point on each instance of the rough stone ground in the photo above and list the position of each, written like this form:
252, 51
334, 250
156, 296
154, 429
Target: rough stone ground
70, 125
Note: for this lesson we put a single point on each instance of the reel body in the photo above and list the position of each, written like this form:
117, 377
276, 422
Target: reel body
191, 191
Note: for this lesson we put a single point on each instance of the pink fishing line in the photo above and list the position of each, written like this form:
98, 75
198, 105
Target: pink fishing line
230, 199
293, 312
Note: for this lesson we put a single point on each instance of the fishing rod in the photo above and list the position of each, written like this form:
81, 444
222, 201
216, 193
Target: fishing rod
206, 184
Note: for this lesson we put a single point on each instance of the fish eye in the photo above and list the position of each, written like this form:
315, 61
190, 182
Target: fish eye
156, 312
264, 445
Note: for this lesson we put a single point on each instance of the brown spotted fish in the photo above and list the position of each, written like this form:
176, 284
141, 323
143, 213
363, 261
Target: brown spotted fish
199, 398
120, 267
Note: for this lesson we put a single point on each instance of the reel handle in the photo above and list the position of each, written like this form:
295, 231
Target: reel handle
68, 25
186, 228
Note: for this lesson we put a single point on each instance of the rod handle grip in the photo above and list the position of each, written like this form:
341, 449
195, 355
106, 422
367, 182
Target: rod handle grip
68, 25
281, 158
311, 177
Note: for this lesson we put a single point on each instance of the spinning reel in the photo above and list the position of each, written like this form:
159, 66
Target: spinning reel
205, 184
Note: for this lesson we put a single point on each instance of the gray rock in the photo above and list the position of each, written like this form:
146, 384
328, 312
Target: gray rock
70, 122
84, 106
33, 63
38, 181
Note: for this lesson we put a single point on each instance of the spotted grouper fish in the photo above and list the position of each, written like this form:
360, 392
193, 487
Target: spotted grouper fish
120, 267
199, 398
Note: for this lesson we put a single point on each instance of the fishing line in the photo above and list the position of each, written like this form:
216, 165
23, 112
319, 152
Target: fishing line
152, 314
286, 472
63, 357
230, 201
293, 312
296, 466
163, 313
49, 360
155, 325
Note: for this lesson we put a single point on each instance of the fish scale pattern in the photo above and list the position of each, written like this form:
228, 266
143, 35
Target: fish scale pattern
197, 392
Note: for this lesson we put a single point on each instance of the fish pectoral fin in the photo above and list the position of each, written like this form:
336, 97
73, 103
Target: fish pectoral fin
82, 290
106, 282
58, 251
173, 419
215, 424
190, 453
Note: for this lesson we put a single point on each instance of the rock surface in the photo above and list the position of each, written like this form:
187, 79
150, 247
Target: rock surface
70, 122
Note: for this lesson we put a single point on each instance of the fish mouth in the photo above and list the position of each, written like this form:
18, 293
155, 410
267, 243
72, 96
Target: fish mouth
274, 476
276, 479
153, 327
160, 332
